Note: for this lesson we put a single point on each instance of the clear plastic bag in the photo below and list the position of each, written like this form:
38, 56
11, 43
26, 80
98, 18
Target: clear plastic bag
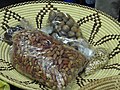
42, 58
64, 28
97, 61
63, 25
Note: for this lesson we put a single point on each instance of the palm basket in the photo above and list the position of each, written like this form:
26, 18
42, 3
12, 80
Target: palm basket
100, 30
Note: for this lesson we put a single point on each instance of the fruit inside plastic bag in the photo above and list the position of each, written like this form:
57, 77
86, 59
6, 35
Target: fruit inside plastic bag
62, 24
43, 58
65, 29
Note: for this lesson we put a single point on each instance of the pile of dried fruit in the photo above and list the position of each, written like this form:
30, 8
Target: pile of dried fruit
41, 57
63, 25
65, 29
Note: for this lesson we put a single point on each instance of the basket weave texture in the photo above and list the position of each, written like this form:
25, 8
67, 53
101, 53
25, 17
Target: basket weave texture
100, 30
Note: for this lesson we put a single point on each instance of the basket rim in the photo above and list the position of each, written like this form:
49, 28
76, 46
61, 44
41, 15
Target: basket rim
101, 81
59, 2
15, 84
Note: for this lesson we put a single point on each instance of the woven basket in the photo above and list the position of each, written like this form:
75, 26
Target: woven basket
108, 83
100, 29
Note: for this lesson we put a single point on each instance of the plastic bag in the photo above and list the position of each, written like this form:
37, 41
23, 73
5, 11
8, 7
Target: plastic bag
97, 61
42, 58
24, 24
63, 25
64, 28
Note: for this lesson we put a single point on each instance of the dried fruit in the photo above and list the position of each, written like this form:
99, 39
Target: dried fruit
45, 59
63, 24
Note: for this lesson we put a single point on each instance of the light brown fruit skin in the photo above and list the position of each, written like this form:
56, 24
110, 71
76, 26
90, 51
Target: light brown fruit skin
65, 23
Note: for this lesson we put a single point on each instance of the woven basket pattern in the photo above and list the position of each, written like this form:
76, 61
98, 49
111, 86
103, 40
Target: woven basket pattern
100, 30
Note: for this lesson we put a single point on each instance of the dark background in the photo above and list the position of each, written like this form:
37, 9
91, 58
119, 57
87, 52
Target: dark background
4, 3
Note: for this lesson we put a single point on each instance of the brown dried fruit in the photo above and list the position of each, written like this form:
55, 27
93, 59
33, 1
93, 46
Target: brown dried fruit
45, 60
70, 22
52, 15
74, 29
66, 28
71, 34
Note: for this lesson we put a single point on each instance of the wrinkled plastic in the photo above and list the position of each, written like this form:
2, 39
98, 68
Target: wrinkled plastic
42, 58
64, 28
63, 25
24, 24
60, 25
97, 61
